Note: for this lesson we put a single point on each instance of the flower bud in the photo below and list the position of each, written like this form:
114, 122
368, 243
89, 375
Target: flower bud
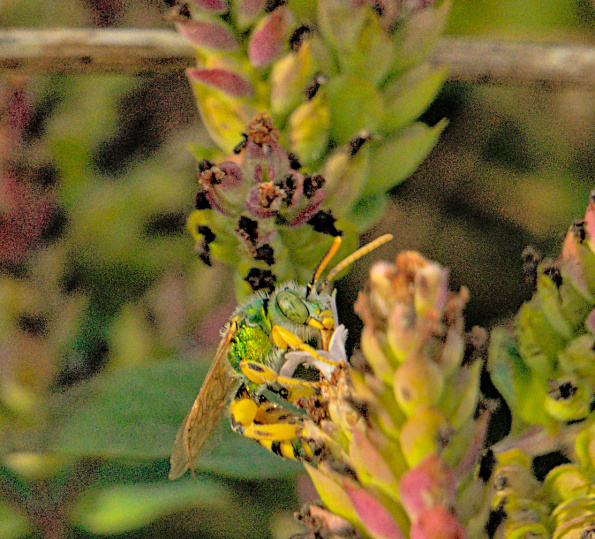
438, 523
289, 78
426, 431
309, 128
568, 399
417, 381
429, 484
567, 482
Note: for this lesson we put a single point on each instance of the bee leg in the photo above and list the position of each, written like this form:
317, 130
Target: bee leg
291, 388
284, 338
271, 426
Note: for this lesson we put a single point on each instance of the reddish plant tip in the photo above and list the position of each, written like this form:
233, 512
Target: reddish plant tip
208, 35
223, 80
26, 213
218, 6
270, 38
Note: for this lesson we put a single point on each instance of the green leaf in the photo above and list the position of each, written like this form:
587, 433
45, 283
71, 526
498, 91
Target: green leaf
409, 95
341, 24
346, 178
132, 413
330, 489
123, 508
289, 77
13, 523
135, 414
355, 106
539, 343
548, 301
309, 128
373, 55
397, 158
417, 35
505, 364
368, 211
523, 392
225, 118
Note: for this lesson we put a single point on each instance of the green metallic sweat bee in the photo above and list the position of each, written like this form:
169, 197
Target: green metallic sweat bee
250, 359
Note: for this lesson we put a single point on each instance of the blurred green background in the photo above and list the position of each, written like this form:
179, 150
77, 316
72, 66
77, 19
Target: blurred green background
108, 321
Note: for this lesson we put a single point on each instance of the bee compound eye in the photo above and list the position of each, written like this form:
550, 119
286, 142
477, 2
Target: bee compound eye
292, 307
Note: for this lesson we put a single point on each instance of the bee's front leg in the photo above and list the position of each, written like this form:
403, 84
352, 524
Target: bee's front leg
283, 338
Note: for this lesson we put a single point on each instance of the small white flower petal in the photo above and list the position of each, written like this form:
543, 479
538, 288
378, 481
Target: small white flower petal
293, 360
337, 344
335, 355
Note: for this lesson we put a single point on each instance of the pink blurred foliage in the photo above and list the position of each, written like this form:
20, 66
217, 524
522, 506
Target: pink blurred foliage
25, 208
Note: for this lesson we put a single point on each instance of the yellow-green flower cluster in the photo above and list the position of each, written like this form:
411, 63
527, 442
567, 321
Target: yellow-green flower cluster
545, 368
260, 214
403, 426
343, 80
562, 506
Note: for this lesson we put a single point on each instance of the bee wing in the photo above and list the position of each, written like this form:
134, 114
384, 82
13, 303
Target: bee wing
205, 411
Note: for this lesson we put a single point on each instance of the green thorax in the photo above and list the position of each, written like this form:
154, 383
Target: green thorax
252, 340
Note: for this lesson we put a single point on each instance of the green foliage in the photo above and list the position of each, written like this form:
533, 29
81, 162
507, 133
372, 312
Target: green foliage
123, 508
102, 277
13, 524
351, 84
114, 423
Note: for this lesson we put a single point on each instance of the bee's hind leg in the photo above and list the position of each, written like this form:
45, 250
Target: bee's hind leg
291, 390
273, 427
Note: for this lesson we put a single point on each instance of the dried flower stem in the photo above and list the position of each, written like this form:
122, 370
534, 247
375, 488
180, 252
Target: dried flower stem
141, 52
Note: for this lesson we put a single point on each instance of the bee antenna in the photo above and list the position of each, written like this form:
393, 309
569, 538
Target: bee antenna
346, 262
332, 251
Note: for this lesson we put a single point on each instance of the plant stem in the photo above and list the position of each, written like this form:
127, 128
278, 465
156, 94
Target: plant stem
149, 52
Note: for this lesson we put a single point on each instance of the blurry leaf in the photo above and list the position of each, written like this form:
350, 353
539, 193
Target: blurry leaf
368, 211
33, 466
12, 522
416, 37
341, 24
136, 413
224, 119
397, 158
226, 81
346, 177
355, 106
200, 152
378, 520
123, 508
373, 55
409, 95
246, 12
304, 9
80, 124
218, 6
309, 126
524, 393
332, 492
289, 77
